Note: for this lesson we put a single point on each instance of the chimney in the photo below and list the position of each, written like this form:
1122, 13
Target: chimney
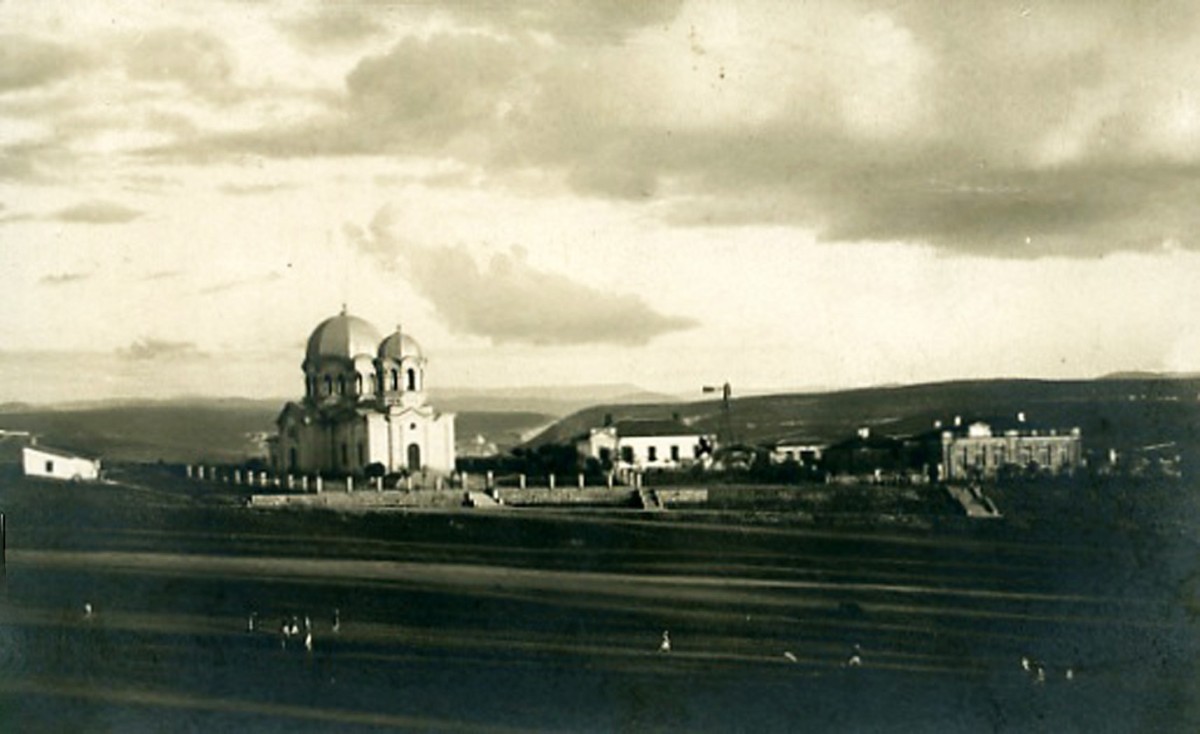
607, 420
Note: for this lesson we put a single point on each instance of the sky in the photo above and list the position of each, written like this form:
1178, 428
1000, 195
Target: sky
780, 195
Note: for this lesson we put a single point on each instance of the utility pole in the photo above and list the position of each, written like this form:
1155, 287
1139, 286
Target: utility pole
726, 431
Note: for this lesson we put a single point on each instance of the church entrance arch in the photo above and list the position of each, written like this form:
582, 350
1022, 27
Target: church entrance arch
414, 457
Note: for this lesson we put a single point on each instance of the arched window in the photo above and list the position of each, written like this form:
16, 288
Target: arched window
412, 379
358, 384
371, 383
341, 385
395, 380
328, 385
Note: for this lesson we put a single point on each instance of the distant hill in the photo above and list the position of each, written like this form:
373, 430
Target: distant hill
1111, 412
216, 430
550, 400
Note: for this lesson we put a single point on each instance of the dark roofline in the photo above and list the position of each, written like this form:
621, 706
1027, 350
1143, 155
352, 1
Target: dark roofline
62, 453
646, 428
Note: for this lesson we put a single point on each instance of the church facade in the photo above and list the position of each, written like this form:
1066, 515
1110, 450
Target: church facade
364, 404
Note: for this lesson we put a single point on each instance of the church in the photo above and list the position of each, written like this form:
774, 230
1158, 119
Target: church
364, 404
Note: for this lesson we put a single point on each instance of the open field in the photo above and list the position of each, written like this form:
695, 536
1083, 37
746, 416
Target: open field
532, 620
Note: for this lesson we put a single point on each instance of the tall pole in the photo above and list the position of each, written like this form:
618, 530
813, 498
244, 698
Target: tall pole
726, 416
3, 541
725, 432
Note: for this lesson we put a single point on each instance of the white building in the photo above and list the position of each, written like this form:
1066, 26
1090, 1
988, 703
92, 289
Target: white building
640, 445
803, 452
364, 403
43, 461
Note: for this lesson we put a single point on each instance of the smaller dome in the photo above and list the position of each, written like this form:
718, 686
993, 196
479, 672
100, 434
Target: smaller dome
399, 345
342, 336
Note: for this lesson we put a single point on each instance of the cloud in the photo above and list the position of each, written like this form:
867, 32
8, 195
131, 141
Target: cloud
63, 278
254, 189
333, 26
511, 301
96, 212
155, 349
229, 285
27, 62
198, 61
1068, 129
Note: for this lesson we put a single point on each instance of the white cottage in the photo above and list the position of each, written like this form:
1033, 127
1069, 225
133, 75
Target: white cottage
641, 445
48, 463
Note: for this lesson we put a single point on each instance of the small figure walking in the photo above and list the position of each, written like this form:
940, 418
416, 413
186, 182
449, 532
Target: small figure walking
665, 645
250, 622
1034, 669
87, 610
855, 657
337, 621
308, 641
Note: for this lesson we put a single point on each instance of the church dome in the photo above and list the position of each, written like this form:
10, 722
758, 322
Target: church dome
343, 336
399, 345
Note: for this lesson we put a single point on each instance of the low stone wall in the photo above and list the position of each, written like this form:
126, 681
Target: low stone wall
674, 497
542, 496
361, 500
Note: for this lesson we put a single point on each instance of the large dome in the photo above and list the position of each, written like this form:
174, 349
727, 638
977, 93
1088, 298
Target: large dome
398, 346
343, 336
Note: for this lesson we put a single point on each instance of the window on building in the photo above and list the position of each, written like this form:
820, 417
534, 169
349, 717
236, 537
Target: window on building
49, 467
371, 383
395, 380
328, 385
341, 383
627, 454
358, 384
675, 453
652, 453
412, 379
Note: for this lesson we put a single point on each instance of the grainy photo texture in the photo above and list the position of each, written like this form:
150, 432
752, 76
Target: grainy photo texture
704, 365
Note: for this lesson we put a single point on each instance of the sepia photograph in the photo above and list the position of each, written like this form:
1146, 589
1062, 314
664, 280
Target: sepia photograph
599, 366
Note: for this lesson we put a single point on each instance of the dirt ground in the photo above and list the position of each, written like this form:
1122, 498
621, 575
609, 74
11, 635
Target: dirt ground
554, 621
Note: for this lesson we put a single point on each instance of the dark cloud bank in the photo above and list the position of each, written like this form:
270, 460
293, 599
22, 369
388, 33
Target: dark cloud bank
511, 301
1043, 129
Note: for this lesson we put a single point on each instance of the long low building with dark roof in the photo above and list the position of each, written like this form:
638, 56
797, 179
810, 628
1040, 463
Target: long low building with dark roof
641, 445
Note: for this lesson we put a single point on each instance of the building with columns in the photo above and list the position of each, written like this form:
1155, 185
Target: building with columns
364, 404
